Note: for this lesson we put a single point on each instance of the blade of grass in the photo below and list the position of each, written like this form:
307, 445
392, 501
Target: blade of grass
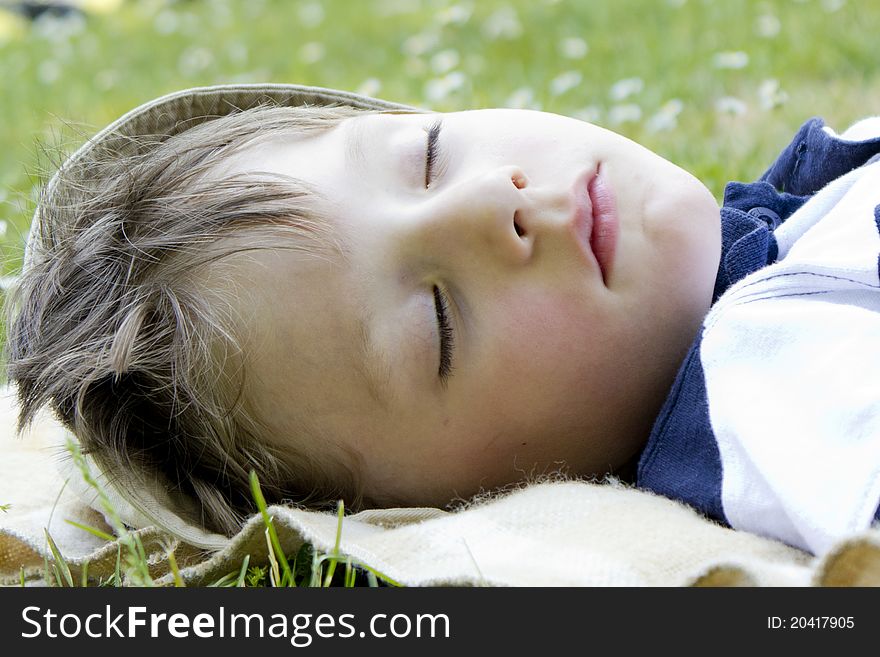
274, 576
350, 574
62, 570
46, 572
474, 561
172, 563
377, 575
317, 569
117, 573
92, 530
270, 527
243, 572
340, 511
84, 575
225, 581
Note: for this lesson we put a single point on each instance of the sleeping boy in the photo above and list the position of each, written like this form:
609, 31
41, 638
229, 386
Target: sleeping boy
394, 307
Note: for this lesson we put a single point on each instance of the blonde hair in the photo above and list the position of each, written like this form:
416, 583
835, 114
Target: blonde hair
110, 328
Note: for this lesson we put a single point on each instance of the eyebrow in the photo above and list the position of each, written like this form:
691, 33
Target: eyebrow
354, 144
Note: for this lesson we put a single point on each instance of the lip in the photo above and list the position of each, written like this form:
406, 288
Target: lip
596, 224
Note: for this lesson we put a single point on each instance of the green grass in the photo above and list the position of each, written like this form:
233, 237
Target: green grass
309, 567
717, 86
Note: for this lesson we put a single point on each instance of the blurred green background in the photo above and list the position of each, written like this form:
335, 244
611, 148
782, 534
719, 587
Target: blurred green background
716, 86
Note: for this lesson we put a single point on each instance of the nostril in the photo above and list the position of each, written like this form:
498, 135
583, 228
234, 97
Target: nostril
520, 231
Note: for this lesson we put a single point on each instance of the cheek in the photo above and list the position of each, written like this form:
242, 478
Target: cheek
565, 364
537, 336
686, 238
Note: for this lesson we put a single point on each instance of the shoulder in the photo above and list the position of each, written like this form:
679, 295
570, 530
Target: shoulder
817, 155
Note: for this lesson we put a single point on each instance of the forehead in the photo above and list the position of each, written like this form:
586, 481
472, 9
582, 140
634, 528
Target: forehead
349, 147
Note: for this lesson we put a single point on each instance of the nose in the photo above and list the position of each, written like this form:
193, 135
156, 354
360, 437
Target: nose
484, 216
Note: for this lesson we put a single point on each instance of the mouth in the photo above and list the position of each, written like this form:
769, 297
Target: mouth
596, 223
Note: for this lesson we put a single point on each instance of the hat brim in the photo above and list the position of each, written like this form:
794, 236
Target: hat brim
165, 115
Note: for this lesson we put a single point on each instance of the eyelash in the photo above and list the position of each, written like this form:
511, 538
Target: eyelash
431, 151
446, 335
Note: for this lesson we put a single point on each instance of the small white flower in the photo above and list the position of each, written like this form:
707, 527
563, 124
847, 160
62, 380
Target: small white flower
369, 87
440, 88
106, 79
768, 26
503, 24
522, 98
444, 61
590, 114
312, 52
419, 44
565, 82
625, 113
730, 105
732, 59
456, 14
59, 27
167, 21
661, 122
623, 89
397, 7
194, 60
221, 15
573, 48
48, 71
311, 14
770, 95
237, 52
666, 118
673, 106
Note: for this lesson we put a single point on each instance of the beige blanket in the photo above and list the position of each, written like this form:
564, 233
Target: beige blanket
565, 533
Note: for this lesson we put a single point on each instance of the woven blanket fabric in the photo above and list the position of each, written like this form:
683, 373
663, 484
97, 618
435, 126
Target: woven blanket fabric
562, 533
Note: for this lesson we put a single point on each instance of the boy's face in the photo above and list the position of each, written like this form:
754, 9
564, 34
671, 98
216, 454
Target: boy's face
555, 358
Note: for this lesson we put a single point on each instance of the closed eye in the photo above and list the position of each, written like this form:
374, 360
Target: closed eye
444, 330
432, 152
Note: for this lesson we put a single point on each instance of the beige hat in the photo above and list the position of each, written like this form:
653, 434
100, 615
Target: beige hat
179, 111
139, 502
